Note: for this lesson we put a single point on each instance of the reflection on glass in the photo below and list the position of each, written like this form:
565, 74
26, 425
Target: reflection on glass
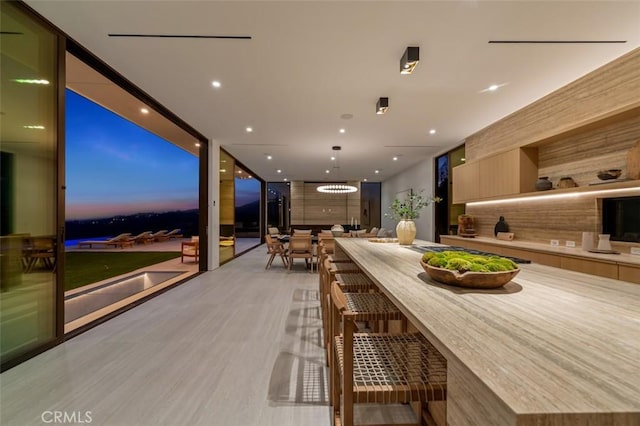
247, 210
28, 152
227, 207
278, 200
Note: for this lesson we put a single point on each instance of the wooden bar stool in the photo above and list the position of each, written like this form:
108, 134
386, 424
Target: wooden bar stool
380, 368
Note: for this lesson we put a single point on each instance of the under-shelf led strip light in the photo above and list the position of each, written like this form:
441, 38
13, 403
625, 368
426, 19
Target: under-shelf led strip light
555, 196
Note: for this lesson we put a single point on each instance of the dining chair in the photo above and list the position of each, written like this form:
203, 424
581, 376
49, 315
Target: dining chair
371, 369
275, 248
301, 247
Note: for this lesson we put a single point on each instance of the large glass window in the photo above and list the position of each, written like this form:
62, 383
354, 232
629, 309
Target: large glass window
240, 208
28, 152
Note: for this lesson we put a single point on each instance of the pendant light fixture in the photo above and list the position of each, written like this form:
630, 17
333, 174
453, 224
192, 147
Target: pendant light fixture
336, 188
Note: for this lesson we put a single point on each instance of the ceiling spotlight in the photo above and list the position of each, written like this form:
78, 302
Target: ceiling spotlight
269, 157
327, 171
377, 171
198, 144
342, 130
333, 158
285, 179
216, 84
279, 171
409, 60
144, 110
382, 105
395, 158
249, 129
365, 179
493, 87
432, 131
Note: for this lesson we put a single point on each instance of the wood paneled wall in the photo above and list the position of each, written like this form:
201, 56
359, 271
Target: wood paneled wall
581, 156
308, 206
580, 153
611, 88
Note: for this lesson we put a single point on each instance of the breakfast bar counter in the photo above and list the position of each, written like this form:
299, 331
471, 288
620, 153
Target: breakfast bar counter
551, 347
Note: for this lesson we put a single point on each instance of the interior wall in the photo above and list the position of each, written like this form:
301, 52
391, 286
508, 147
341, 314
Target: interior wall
419, 178
310, 207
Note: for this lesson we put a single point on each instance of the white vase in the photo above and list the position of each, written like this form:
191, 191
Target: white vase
406, 231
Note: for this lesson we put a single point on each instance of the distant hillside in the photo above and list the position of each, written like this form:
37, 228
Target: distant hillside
186, 220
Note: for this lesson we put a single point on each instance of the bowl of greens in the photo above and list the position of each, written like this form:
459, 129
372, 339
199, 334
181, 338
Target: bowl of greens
469, 270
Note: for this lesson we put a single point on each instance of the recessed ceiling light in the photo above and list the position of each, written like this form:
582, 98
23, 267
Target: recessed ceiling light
342, 130
269, 157
144, 110
249, 129
395, 158
333, 158
216, 84
346, 116
223, 170
327, 171
285, 179
278, 171
365, 179
197, 144
493, 87
377, 171
432, 131
239, 172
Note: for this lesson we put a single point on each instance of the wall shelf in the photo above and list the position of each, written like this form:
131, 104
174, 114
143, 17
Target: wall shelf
604, 188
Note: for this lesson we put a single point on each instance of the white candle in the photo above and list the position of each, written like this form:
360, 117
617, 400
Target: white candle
351, 220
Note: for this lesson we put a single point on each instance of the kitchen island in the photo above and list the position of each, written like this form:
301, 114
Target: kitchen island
552, 347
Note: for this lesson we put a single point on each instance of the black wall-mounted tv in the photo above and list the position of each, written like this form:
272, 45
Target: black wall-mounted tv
621, 218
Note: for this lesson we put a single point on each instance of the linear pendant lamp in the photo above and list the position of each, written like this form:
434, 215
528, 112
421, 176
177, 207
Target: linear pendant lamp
382, 105
409, 60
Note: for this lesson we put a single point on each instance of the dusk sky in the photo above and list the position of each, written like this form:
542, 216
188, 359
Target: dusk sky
114, 167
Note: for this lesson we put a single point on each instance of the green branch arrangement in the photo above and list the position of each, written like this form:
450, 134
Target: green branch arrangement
410, 207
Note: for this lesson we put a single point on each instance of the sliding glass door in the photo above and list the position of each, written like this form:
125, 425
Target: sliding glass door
29, 181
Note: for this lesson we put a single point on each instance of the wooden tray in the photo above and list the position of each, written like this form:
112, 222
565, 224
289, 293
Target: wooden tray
470, 279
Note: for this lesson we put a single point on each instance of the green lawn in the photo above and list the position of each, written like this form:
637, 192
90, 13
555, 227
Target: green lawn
82, 268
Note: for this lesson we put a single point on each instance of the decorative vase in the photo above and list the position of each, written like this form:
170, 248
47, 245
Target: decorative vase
543, 184
406, 231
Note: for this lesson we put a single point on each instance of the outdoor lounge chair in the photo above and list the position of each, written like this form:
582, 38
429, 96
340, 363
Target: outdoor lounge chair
138, 238
121, 241
153, 237
171, 234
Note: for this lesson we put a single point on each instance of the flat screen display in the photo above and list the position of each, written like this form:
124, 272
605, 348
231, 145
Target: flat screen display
621, 218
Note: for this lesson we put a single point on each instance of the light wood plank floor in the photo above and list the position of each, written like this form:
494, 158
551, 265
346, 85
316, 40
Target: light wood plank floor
235, 346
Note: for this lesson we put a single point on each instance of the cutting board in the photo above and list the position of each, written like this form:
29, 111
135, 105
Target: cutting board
633, 162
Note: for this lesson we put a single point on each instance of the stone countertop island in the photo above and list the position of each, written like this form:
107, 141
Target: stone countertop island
552, 347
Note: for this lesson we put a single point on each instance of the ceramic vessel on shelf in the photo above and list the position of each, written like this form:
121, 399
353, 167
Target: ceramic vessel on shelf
406, 231
337, 230
603, 242
609, 174
543, 183
567, 182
